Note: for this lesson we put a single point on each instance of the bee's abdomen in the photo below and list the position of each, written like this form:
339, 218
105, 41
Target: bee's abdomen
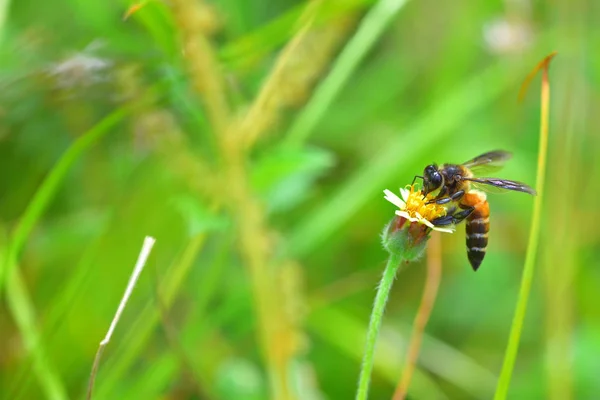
477, 228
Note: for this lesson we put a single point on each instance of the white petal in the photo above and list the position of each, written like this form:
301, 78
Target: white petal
406, 215
394, 199
425, 222
403, 214
404, 193
446, 230
422, 220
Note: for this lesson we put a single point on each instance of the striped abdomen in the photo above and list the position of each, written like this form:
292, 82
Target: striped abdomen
477, 226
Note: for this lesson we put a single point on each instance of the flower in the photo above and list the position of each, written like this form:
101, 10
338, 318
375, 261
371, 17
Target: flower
413, 207
407, 233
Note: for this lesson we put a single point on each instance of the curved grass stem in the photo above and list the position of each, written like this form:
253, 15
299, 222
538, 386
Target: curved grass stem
534, 234
45, 193
383, 292
18, 298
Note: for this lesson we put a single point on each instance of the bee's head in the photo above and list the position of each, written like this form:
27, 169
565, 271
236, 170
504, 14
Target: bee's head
432, 179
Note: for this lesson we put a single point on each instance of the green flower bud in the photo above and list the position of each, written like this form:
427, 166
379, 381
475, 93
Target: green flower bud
405, 238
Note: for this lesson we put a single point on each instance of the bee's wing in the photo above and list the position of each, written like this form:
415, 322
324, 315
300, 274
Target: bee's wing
488, 162
500, 185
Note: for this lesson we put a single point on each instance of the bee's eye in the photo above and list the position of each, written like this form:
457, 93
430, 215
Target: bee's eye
432, 179
430, 171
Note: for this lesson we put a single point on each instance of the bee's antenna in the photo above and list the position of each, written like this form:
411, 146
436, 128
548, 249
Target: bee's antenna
416, 176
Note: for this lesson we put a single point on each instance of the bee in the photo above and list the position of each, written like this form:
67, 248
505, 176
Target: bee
458, 185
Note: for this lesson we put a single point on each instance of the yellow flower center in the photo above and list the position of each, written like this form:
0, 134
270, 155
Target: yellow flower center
416, 203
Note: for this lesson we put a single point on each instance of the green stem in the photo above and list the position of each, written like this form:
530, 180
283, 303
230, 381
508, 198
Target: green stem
512, 348
376, 316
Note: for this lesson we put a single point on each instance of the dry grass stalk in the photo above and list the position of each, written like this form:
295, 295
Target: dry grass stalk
298, 66
139, 266
192, 19
301, 62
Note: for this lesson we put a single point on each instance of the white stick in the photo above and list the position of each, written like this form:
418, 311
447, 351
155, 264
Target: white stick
139, 266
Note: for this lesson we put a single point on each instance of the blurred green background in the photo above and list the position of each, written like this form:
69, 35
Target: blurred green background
253, 140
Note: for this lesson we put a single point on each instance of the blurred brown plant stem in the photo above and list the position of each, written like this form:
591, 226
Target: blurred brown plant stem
432, 284
278, 333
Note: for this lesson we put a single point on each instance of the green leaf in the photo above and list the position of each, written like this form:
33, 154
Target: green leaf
197, 215
240, 379
284, 176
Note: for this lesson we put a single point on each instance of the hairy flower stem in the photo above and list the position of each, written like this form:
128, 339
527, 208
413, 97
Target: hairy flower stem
383, 292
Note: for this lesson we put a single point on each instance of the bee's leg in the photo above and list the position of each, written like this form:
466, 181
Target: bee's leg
416, 176
440, 195
461, 215
442, 221
453, 218
456, 196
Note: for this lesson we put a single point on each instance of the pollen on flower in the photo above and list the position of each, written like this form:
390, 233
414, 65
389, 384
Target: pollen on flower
413, 207
416, 205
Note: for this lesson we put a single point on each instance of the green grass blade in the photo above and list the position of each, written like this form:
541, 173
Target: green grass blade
22, 310
369, 31
58, 307
273, 34
19, 301
49, 187
512, 348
